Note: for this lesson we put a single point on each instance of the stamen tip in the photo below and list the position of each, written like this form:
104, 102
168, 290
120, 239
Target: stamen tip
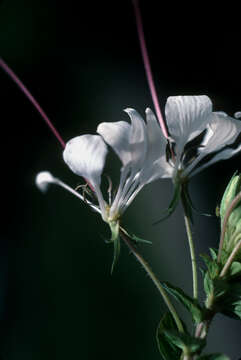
237, 115
43, 179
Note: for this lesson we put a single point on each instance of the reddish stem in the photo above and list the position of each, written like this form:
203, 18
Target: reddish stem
23, 88
147, 66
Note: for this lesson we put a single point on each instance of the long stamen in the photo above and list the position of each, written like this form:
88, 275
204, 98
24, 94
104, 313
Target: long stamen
23, 88
148, 67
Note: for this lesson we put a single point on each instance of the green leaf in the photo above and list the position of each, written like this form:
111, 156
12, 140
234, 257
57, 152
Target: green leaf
208, 284
213, 253
186, 342
167, 349
213, 357
212, 266
235, 268
173, 204
190, 304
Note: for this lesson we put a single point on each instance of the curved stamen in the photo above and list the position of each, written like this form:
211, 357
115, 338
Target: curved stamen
23, 88
147, 66
45, 178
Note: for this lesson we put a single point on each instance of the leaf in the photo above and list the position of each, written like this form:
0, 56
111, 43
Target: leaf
213, 357
213, 253
190, 304
185, 341
173, 204
208, 284
235, 268
211, 264
167, 349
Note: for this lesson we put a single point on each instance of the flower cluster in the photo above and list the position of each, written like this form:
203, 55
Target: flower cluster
198, 137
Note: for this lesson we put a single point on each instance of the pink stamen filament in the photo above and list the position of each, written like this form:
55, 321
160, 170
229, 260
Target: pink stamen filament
148, 67
23, 88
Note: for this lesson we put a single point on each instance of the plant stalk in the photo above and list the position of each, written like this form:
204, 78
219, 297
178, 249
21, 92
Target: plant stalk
192, 253
155, 280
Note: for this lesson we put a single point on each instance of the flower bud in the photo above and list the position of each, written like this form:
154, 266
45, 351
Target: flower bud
231, 216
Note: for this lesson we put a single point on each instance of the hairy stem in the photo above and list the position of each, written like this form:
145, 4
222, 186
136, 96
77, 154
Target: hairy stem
155, 280
192, 253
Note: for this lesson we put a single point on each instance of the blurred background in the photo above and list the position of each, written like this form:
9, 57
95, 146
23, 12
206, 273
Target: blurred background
83, 64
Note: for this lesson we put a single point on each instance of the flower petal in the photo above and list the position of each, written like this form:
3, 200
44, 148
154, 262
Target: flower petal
187, 117
85, 155
116, 134
222, 131
156, 165
138, 138
225, 130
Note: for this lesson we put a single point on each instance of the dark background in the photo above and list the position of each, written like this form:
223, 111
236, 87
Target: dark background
83, 64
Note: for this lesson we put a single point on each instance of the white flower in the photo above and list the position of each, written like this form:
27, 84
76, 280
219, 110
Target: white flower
140, 147
199, 137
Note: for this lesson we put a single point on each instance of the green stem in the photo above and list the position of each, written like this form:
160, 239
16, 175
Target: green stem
231, 258
192, 253
155, 280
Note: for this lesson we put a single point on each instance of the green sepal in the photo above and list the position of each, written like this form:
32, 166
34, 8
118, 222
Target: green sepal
213, 357
189, 344
173, 204
135, 238
115, 238
190, 304
167, 349
186, 201
188, 204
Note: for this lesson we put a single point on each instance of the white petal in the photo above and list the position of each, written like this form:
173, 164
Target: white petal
43, 180
156, 141
187, 117
222, 155
116, 134
222, 131
138, 138
156, 165
85, 155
